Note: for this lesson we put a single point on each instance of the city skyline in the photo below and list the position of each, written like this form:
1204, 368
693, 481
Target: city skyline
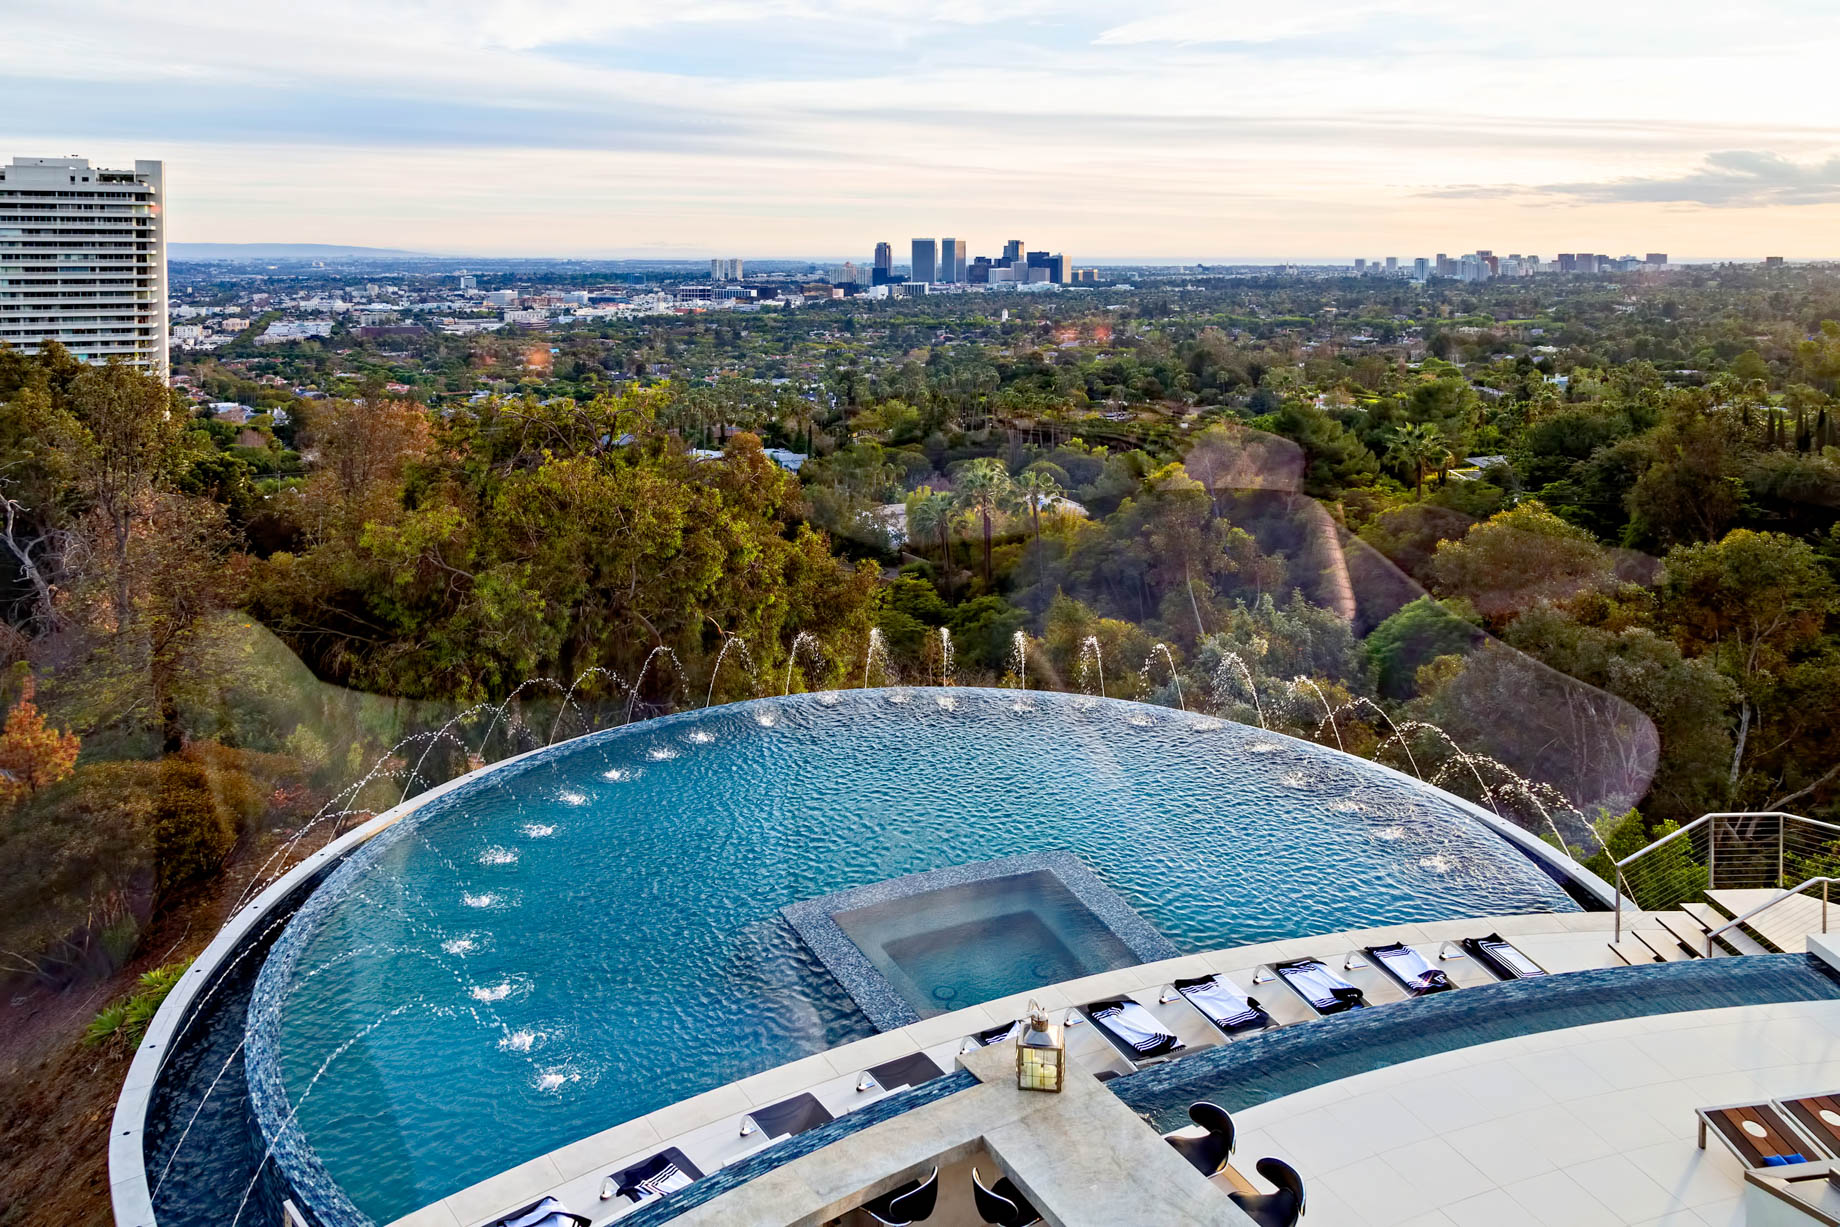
1216, 133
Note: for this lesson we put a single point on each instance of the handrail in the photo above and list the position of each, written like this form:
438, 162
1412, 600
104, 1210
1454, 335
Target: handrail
1822, 880
1620, 882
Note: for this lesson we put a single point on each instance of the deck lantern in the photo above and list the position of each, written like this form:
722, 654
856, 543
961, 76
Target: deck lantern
1041, 1053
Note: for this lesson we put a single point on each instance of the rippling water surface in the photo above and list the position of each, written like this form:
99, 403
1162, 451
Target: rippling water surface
585, 937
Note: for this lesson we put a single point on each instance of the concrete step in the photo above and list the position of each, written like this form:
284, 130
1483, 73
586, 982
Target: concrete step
1737, 941
1666, 946
1689, 932
1634, 952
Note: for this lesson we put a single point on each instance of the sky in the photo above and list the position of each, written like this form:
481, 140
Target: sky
1159, 129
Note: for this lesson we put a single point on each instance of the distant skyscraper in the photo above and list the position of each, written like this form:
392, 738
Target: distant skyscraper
884, 257
725, 268
1657, 258
951, 260
83, 260
1012, 251
1360, 268
1392, 264
1421, 269
926, 261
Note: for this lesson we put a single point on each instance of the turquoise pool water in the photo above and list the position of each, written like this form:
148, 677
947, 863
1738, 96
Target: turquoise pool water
593, 933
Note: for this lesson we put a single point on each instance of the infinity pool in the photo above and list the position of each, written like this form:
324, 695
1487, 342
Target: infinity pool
594, 932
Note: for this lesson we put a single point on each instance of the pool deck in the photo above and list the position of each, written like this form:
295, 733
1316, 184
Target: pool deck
1590, 1126
707, 1126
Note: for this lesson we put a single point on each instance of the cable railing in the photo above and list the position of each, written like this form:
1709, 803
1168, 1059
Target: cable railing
1741, 850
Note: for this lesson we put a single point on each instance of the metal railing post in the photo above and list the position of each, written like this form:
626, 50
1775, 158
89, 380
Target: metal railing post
1823, 907
1712, 854
1617, 890
1782, 837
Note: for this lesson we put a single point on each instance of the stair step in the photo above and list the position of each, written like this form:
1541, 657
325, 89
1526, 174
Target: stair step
1689, 932
1666, 946
1712, 915
1633, 952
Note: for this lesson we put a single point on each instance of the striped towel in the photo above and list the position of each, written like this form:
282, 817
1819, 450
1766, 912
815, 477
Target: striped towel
1410, 966
547, 1213
671, 1179
1223, 1003
1519, 963
1136, 1026
997, 1035
1320, 987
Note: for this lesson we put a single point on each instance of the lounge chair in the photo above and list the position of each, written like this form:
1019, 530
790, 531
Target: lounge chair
1221, 1003
1208, 1153
909, 1070
1817, 1116
1326, 992
1132, 1030
791, 1116
545, 1213
665, 1172
1002, 1203
1280, 1209
996, 1035
1497, 954
912, 1202
1757, 1133
1409, 968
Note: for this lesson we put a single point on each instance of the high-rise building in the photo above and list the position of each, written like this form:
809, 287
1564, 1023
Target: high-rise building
1392, 265
1060, 269
884, 257
1421, 269
1012, 252
725, 269
926, 261
952, 260
83, 260
1657, 258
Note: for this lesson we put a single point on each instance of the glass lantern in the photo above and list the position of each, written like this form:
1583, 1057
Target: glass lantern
1041, 1053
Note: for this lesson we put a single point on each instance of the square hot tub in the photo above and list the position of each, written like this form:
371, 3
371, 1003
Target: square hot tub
935, 942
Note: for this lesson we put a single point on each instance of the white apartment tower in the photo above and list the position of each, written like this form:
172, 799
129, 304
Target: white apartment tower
83, 260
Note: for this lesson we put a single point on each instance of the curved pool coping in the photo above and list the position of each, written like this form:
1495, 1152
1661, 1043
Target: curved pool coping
131, 1194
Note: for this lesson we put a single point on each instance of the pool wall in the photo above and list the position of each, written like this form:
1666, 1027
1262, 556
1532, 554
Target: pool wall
130, 1189
1259, 1068
130, 1192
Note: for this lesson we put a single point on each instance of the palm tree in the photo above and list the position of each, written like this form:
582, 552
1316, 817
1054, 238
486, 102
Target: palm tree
929, 515
1036, 489
983, 489
1419, 447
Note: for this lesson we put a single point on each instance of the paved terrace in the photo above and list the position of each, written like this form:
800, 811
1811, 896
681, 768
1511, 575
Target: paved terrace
707, 1126
1589, 1127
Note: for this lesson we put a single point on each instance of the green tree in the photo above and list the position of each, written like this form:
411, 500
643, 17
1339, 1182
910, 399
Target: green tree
1418, 448
1519, 556
984, 491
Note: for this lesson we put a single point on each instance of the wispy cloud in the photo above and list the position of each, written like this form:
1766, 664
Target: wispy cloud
1731, 179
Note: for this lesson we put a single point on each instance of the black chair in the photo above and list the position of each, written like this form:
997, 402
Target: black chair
1280, 1209
545, 1213
639, 1182
1209, 1152
912, 1202
1002, 1203
910, 1070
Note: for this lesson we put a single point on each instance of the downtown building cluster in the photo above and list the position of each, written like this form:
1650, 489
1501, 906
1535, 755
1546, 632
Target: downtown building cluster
1486, 265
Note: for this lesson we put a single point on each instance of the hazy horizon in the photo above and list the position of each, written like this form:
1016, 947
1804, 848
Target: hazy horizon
1342, 129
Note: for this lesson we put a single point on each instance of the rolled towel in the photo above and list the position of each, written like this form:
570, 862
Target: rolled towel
1134, 1025
996, 1035
1222, 1002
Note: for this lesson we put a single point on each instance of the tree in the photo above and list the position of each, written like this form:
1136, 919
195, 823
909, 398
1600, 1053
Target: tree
983, 491
1516, 557
1750, 602
1416, 635
929, 516
1037, 488
1418, 448
32, 753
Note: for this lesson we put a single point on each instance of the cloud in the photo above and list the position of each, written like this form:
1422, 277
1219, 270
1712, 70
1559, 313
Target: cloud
1730, 179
